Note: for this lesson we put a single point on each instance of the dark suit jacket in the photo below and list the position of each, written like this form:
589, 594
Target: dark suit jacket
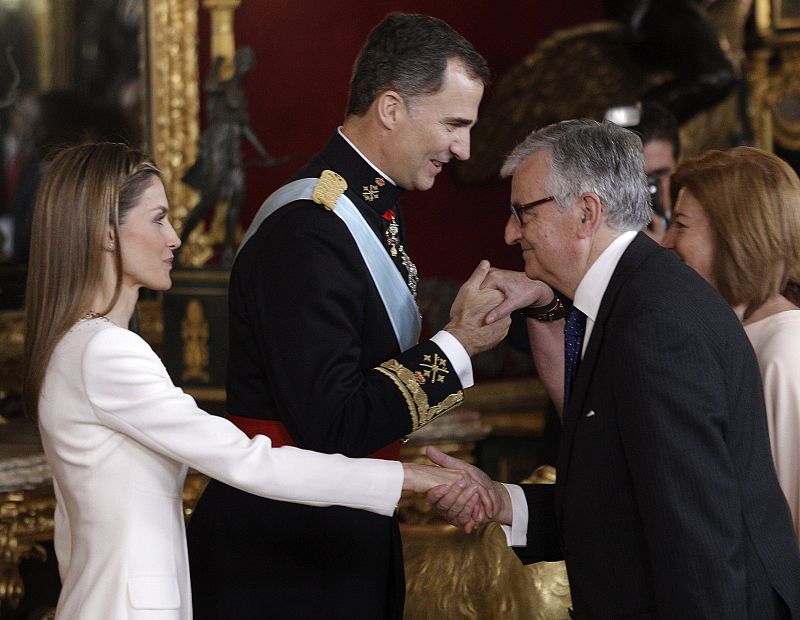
666, 503
307, 330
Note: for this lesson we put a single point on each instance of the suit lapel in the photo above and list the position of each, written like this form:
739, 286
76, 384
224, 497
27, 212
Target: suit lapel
639, 249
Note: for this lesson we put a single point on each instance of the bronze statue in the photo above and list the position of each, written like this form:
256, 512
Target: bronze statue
218, 173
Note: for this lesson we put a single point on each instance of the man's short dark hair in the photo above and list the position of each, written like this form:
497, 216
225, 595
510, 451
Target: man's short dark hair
658, 123
408, 54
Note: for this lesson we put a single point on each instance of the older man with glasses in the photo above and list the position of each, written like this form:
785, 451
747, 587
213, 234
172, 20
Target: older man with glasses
666, 503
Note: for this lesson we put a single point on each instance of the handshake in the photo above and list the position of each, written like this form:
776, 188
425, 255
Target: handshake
479, 319
461, 493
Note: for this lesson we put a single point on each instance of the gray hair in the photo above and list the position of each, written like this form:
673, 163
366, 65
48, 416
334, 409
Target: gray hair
588, 156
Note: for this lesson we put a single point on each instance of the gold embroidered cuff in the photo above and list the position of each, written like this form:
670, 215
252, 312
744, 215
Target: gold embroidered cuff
416, 398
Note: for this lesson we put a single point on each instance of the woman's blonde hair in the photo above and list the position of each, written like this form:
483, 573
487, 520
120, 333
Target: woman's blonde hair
84, 190
752, 199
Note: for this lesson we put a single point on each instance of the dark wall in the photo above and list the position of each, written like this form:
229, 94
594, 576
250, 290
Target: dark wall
298, 91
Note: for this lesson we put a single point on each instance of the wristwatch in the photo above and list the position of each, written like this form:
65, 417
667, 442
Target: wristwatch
553, 311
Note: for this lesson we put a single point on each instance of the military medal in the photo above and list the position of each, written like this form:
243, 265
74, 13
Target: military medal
395, 248
372, 192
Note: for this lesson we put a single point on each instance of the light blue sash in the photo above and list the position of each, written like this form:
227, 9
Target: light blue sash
400, 305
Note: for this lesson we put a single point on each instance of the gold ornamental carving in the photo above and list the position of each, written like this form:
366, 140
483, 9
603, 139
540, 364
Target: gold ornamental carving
458, 576
223, 42
173, 98
199, 248
26, 519
194, 335
12, 335
408, 384
777, 21
775, 87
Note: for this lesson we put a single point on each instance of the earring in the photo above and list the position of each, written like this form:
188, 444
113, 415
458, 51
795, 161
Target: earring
111, 246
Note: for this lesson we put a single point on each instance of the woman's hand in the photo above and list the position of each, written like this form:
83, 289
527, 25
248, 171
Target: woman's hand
477, 501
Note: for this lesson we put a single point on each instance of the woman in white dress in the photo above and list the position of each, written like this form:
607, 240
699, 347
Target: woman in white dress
116, 431
737, 223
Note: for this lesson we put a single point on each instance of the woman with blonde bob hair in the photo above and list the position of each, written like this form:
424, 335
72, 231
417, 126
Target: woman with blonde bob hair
737, 223
117, 433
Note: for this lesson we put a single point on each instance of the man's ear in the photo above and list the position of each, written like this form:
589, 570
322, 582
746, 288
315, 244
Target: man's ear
591, 214
390, 108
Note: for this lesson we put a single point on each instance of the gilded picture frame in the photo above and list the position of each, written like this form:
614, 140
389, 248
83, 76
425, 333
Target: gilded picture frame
169, 65
774, 76
778, 19
173, 99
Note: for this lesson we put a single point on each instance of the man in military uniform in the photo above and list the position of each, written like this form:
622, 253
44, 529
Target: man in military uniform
323, 336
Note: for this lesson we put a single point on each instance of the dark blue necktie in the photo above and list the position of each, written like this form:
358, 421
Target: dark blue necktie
574, 330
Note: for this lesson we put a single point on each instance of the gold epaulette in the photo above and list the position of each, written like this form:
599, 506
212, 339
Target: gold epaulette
410, 385
328, 189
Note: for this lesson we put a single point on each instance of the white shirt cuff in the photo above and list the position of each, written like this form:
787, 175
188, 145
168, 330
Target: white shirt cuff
517, 532
457, 354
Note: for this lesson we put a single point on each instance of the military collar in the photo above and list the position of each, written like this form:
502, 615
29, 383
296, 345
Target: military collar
363, 180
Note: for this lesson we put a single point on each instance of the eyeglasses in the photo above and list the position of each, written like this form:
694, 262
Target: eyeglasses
518, 210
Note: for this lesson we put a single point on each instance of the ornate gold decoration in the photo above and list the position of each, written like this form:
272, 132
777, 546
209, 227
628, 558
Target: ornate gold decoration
193, 488
54, 43
205, 394
12, 335
775, 86
763, 17
328, 189
416, 398
775, 20
200, 244
223, 42
544, 474
26, 519
370, 192
457, 576
436, 368
174, 98
194, 334
199, 248
151, 322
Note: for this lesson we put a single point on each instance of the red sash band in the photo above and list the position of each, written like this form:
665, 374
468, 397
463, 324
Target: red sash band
277, 432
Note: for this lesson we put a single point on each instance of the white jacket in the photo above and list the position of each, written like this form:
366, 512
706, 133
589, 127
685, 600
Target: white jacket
119, 436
